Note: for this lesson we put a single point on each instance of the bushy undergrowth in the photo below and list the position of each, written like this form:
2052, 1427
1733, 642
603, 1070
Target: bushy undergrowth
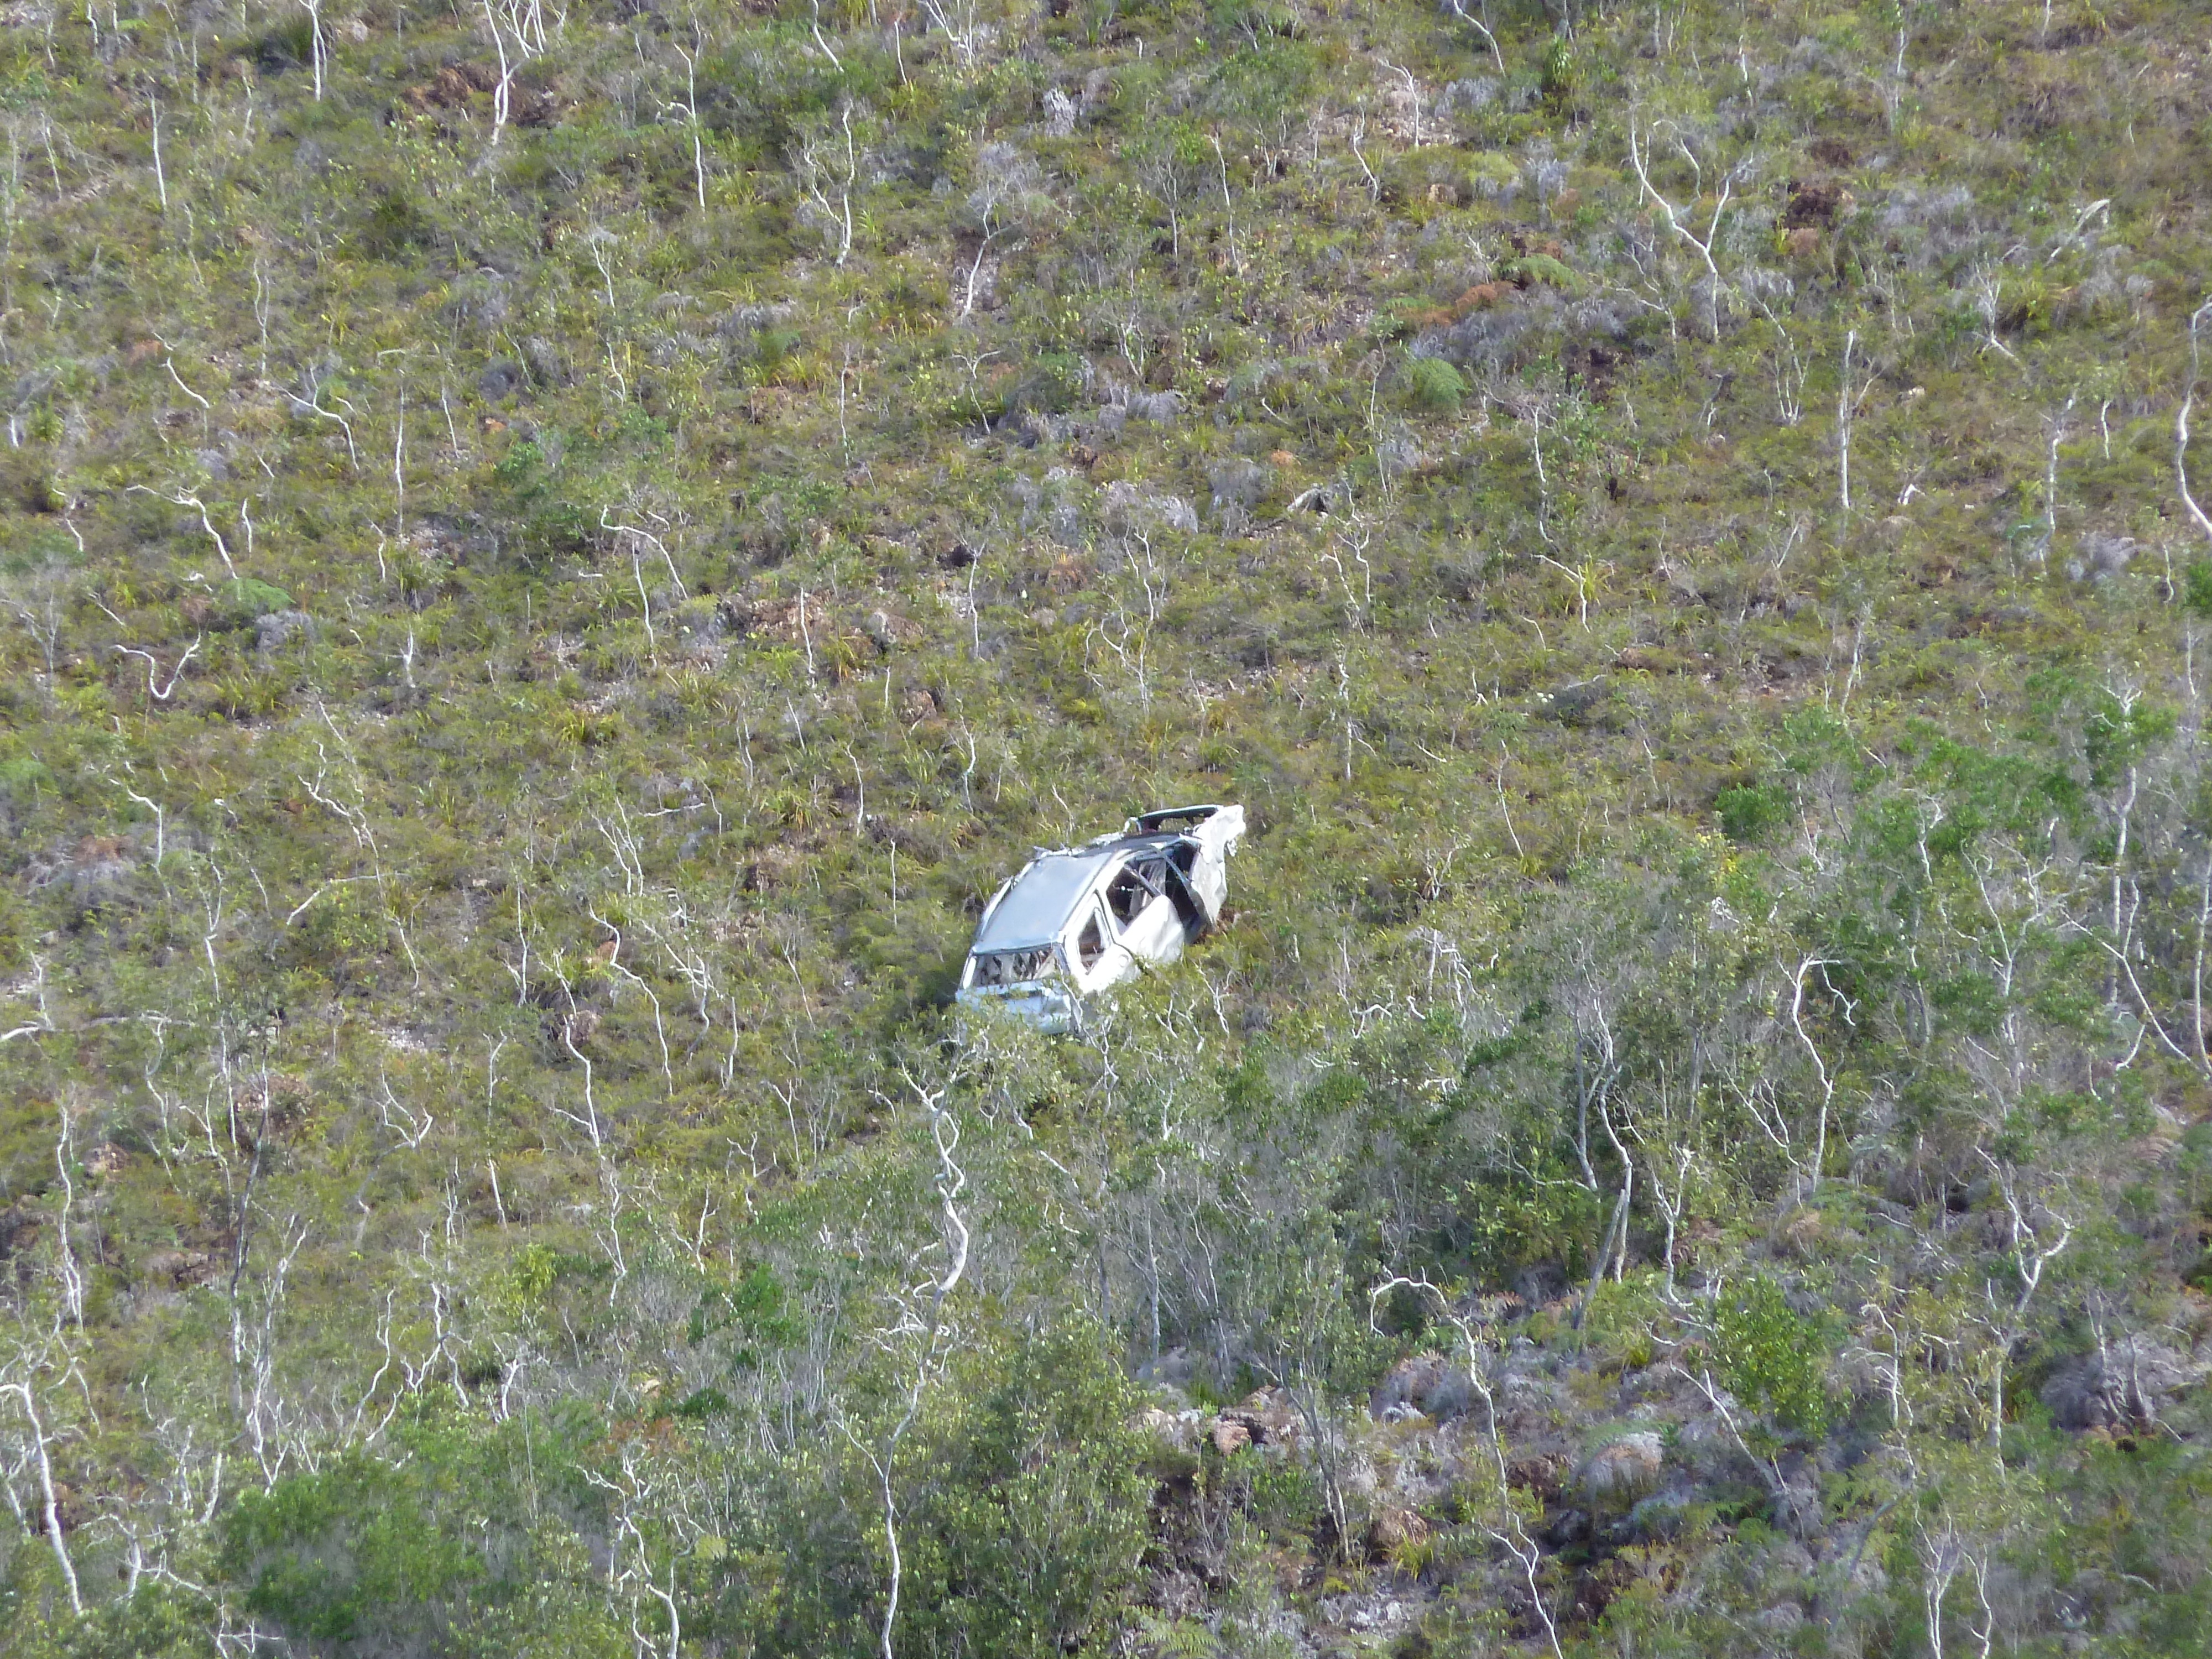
553, 559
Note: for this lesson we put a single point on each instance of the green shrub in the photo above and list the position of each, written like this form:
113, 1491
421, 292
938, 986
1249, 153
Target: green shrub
448, 1543
1772, 1355
1541, 268
395, 224
1750, 813
1053, 383
1027, 1532
1562, 74
1527, 1212
243, 600
1286, 1498
23, 777
1397, 319
1433, 384
2196, 588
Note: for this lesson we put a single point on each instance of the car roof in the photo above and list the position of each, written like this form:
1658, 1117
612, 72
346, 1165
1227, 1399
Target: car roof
1037, 905
1135, 844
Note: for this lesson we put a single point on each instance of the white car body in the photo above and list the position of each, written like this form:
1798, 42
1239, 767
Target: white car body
1077, 920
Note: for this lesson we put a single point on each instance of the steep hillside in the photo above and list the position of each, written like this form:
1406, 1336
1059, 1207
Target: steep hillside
553, 558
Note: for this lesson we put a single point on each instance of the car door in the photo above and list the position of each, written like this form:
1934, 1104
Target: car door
1096, 955
1143, 911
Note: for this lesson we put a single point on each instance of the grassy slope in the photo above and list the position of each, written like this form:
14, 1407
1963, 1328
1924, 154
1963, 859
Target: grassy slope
308, 938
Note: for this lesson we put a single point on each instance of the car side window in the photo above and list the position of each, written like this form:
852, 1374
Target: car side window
1090, 943
1127, 895
1136, 886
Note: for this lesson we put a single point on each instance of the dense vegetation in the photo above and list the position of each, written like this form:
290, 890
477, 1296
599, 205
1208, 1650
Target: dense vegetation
553, 557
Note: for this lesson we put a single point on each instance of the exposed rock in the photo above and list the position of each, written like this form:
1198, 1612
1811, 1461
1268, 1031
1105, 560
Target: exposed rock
180, 1268
1322, 499
1397, 457
2130, 1383
1393, 1528
1787, 1559
1426, 1384
98, 861
1543, 1473
280, 628
1161, 408
574, 1031
1238, 482
547, 366
1472, 97
1269, 1417
1661, 1515
1815, 202
500, 379
2107, 555
1707, 1451
889, 629
1577, 704
1524, 1391
1375, 1613
1569, 1526
105, 1159
1125, 506
1036, 426
1179, 1429
1623, 1470
1798, 1508
1230, 1435
1178, 1594
1176, 1368
742, 322
1544, 1281
20, 1224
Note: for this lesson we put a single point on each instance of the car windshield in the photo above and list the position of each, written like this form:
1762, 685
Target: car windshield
1014, 967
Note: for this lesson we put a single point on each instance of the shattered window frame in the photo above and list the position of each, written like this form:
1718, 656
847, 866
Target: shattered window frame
1139, 882
1092, 938
1017, 967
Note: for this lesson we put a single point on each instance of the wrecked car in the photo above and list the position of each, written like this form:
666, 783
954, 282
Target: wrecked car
1078, 918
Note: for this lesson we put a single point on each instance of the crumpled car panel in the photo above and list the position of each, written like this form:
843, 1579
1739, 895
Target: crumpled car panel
1078, 920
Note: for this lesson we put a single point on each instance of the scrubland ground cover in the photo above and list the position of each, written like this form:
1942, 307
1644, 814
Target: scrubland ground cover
554, 556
